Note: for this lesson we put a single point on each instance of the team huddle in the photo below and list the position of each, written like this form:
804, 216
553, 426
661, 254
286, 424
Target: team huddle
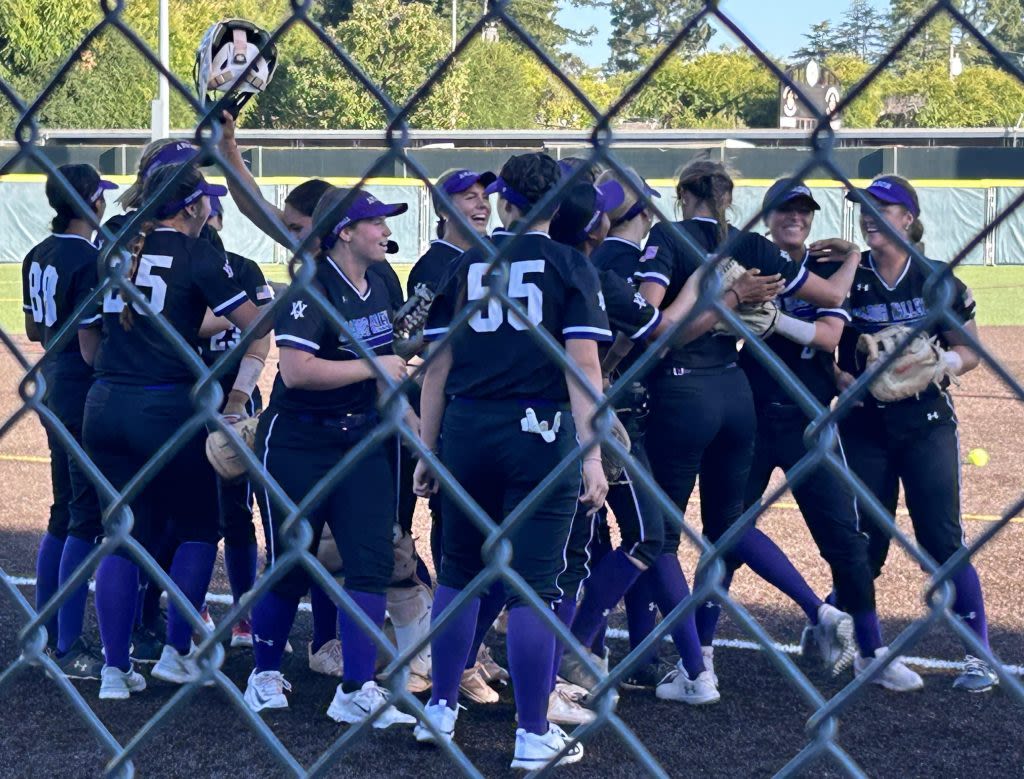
602, 280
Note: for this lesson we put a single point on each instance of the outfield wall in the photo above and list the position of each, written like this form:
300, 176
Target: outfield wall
953, 212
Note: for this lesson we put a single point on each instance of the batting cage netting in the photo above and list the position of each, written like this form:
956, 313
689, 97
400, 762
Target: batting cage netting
632, 742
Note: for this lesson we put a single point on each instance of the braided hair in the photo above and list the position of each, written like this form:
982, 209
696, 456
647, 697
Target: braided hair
712, 185
532, 176
84, 180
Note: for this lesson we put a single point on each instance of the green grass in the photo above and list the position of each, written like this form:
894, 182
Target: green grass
999, 292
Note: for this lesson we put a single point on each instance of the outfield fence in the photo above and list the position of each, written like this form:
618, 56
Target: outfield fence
822, 738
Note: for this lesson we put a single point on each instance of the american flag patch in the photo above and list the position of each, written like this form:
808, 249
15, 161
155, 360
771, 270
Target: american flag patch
265, 292
649, 253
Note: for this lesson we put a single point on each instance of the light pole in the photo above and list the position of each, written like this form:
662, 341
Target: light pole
161, 108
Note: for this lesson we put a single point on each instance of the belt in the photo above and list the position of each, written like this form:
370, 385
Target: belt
710, 371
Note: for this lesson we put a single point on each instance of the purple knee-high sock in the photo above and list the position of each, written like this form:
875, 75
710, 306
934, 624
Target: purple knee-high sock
358, 649
531, 651
612, 577
491, 604
48, 577
770, 563
969, 604
72, 613
240, 564
325, 617
706, 618
868, 632
117, 582
669, 590
641, 613
450, 648
191, 571
565, 610
272, 619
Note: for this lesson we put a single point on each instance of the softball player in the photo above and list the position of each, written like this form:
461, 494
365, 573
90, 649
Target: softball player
466, 188
914, 441
806, 342
323, 404
702, 413
57, 275
142, 397
242, 398
506, 424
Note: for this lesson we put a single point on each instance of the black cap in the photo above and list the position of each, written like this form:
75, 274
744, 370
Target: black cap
787, 191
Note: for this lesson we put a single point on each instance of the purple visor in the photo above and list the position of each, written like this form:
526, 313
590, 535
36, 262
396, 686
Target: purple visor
581, 210
203, 188
171, 154
609, 197
461, 180
102, 187
216, 207
363, 206
639, 186
888, 191
501, 187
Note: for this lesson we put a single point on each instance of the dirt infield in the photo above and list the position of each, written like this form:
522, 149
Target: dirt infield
754, 731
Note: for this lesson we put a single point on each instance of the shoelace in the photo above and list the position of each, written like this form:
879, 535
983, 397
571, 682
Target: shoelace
974, 666
273, 685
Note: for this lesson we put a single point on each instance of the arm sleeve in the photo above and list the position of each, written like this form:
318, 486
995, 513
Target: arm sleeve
628, 310
585, 315
300, 324
443, 308
657, 259
756, 251
216, 280
251, 277
963, 301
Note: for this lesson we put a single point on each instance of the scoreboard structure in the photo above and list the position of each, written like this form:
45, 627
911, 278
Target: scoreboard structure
823, 90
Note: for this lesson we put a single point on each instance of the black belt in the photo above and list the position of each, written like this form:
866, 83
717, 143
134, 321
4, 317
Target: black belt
711, 371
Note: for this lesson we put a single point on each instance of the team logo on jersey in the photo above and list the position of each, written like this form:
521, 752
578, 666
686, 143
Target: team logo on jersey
600, 300
862, 287
902, 310
298, 310
266, 292
639, 300
933, 416
228, 271
649, 253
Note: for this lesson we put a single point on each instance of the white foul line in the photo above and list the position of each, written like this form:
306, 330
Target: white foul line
931, 663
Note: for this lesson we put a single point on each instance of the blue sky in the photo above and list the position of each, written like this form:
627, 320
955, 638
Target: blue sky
776, 26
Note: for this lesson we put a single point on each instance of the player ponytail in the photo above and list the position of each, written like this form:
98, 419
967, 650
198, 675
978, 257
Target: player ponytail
135, 246
84, 180
327, 207
712, 185
531, 176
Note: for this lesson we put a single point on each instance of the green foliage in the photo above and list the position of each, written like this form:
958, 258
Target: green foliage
717, 89
645, 24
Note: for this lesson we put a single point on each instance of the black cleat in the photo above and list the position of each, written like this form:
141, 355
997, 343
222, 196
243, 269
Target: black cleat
82, 661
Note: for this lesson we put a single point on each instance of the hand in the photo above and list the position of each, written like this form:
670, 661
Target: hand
424, 484
235, 405
833, 250
752, 287
595, 485
227, 139
393, 367
844, 380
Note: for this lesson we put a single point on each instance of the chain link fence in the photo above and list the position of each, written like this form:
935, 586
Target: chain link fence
821, 433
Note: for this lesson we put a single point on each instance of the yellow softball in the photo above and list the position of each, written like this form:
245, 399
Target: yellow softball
977, 457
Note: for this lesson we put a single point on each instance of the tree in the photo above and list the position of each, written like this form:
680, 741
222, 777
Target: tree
820, 43
861, 31
645, 24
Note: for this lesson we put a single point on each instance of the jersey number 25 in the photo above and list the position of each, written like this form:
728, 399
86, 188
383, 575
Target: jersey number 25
145, 279
518, 288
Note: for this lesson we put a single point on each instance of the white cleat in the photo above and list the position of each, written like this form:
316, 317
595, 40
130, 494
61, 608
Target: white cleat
677, 686
327, 659
442, 718
535, 751
896, 676
353, 707
176, 668
835, 638
709, 662
565, 705
475, 687
118, 685
266, 690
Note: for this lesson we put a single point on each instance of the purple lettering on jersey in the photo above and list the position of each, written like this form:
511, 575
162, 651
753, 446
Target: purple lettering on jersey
649, 253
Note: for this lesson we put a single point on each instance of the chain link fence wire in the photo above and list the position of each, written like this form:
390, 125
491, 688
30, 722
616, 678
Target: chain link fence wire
297, 535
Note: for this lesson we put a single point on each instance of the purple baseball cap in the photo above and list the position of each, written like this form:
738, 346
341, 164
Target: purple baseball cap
582, 208
102, 187
640, 187
889, 191
786, 191
501, 187
461, 180
362, 206
216, 207
204, 187
171, 154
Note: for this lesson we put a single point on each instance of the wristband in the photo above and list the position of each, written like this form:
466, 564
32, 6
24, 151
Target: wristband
796, 330
954, 362
249, 370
